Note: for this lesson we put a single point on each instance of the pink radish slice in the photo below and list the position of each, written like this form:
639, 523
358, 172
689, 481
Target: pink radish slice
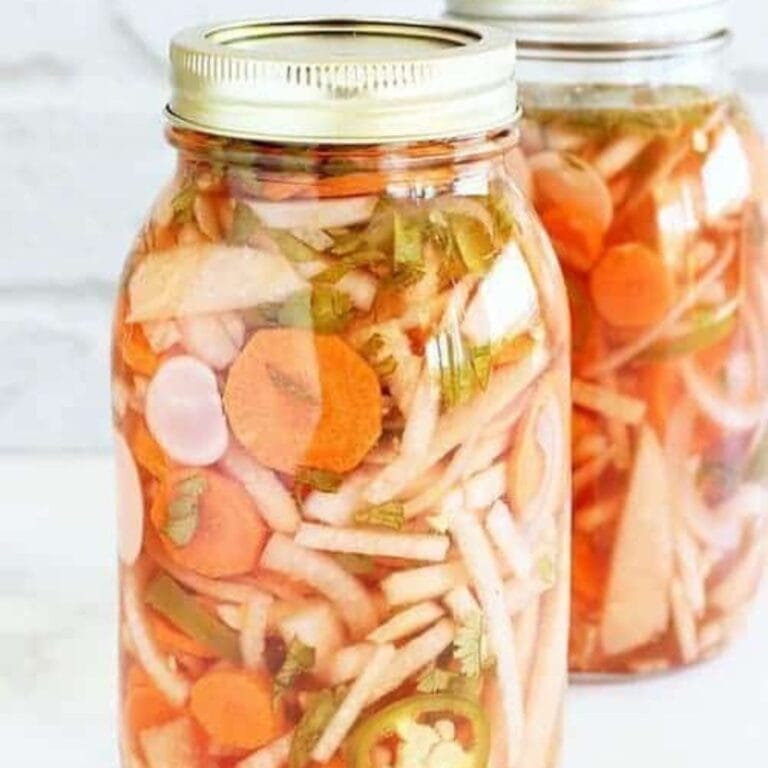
130, 503
184, 412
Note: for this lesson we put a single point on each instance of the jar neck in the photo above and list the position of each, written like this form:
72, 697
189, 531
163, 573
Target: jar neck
704, 65
373, 167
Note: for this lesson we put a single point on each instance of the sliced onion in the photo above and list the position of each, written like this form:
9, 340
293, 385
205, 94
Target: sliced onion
315, 214
130, 503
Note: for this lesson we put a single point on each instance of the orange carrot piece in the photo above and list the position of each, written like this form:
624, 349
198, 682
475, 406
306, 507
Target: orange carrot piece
578, 240
146, 707
229, 535
631, 286
147, 451
136, 352
172, 641
236, 709
297, 399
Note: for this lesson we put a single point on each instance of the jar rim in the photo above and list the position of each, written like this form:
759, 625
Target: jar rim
331, 80
653, 24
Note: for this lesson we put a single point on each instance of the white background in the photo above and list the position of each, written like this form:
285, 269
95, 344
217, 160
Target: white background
82, 85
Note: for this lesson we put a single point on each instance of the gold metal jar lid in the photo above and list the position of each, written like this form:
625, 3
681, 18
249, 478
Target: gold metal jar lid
343, 81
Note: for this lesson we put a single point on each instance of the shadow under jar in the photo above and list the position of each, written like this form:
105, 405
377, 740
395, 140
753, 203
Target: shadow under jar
341, 410
652, 184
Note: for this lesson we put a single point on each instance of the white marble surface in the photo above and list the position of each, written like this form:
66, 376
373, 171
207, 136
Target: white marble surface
57, 650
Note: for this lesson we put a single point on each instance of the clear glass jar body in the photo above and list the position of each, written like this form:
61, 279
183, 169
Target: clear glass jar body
341, 418
652, 184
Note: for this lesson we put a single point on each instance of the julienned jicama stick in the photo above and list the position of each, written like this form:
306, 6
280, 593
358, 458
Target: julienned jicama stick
478, 558
547, 677
254, 630
338, 508
608, 402
173, 685
353, 704
408, 621
414, 656
275, 503
323, 573
416, 584
273, 755
509, 540
349, 662
377, 543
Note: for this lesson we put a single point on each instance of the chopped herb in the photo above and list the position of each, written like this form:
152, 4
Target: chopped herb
408, 257
292, 248
460, 370
437, 680
319, 479
358, 565
299, 659
473, 241
331, 309
291, 386
184, 510
244, 223
384, 365
468, 646
296, 311
389, 515
318, 714
183, 203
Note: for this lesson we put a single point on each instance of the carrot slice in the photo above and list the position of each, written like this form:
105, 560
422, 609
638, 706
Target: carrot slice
631, 286
136, 352
147, 451
577, 239
228, 534
235, 708
146, 707
296, 399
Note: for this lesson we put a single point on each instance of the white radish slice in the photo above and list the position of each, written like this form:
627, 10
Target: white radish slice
215, 339
315, 214
161, 335
184, 412
324, 574
276, 505
208, 278
130, 503
172, 745
564, 180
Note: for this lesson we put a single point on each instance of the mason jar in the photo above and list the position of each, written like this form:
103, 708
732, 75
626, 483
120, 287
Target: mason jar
341, 411
651, 181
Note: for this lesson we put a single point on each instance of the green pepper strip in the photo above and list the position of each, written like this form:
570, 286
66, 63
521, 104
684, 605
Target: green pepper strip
184, 612
706, 335
385, 722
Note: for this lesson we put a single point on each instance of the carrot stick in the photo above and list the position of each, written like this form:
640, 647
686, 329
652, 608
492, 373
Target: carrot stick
136, 352
146, 451
225, 535
235, 708
631, 286
296, 399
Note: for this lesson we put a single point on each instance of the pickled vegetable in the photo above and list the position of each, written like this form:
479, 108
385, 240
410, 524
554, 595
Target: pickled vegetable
343, 465
658, 215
